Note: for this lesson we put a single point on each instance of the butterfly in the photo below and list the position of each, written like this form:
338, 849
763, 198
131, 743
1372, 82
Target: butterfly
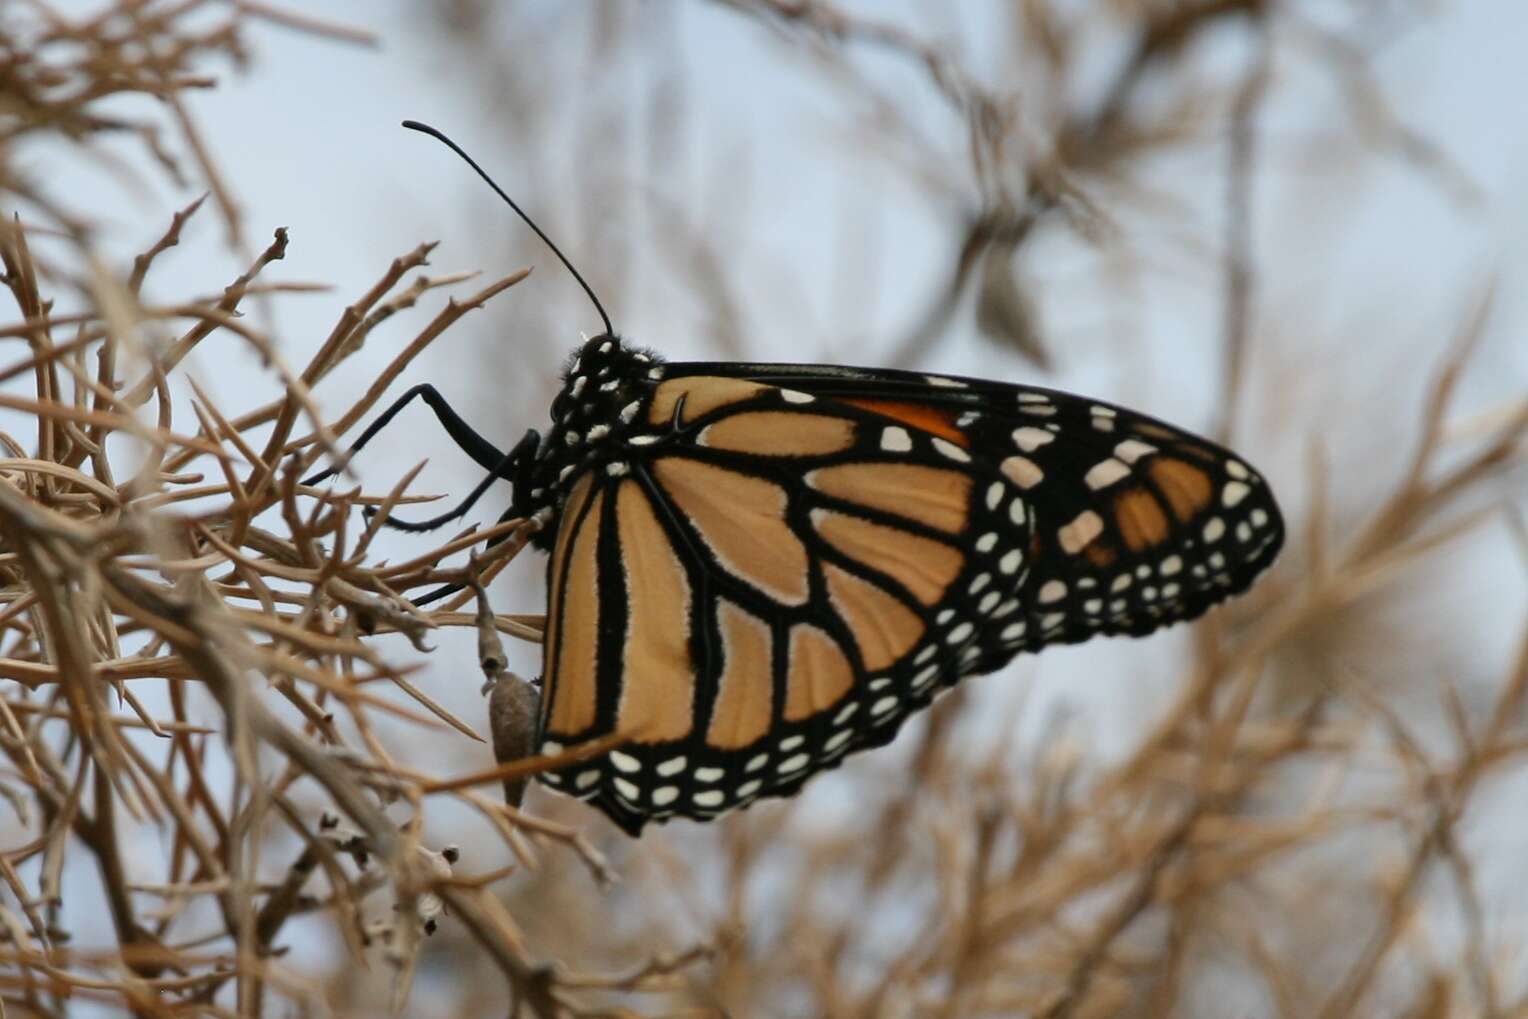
755, 570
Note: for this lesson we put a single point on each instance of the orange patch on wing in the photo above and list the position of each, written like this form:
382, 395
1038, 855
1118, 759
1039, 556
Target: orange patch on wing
780, 433
934, 420
742, 520
924, 566
701, 394
932, 496
818, 675
745, 695
658, 675
1140, 519
884, 629
570, 652
1187, 488
1100, 554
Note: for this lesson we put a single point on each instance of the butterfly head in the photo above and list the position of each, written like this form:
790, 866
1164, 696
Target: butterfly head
605, 385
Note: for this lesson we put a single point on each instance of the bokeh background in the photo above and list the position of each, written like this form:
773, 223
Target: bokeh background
1297, 225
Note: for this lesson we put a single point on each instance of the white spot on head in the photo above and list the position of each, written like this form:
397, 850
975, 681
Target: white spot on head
1234, 492
1075, 536
665, 795
597, 432
709, 798
578, 385
605, 347
959, 634
1105, 473
708, 774
571, 437
1011, 561
1052, 591
896, 440
951, 450
1022, 471
655, 373
627, 790
1132, 450
1214, 529
1030, 439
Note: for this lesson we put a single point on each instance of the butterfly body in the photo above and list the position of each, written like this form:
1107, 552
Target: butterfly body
758, 569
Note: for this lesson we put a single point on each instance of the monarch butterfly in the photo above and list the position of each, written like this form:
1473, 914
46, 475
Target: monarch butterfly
756, 570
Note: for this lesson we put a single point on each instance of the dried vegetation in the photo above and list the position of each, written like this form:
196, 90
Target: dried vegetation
1291, 836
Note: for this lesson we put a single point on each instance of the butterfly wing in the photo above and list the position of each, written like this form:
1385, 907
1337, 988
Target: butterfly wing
770, 581
1137, 524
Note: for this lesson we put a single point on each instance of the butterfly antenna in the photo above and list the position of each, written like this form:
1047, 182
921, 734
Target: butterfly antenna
414, 125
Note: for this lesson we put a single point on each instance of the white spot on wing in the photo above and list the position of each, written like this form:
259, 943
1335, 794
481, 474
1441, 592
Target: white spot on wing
896, 440
1022, 471
793, 396
1105, 473
1030, 439
951, 450
1234, 492
1075, 536
1132, 450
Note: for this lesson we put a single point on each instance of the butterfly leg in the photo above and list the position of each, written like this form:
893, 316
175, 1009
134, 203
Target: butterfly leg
484, 453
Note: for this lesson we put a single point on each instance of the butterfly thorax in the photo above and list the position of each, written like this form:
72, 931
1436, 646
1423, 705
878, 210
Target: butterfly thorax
604, 387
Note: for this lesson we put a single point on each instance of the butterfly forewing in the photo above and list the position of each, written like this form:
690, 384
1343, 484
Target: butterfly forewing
790, 577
